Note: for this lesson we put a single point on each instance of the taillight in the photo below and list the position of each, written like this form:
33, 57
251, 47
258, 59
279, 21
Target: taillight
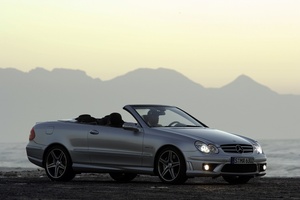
32, 134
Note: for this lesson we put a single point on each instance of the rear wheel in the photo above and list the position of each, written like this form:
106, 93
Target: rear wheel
171, 166
122, 177
58, 164
237, 179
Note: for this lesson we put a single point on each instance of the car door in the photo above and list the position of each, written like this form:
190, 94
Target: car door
115, 146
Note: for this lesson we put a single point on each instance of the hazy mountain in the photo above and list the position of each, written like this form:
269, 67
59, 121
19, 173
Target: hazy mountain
242, 106
249, 86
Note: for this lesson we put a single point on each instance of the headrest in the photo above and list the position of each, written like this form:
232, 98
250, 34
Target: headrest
153, 112
116, 119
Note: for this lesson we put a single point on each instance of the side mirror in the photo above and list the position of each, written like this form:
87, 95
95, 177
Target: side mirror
131, 126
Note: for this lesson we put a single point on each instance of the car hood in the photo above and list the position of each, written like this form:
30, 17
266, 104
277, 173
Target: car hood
209, 135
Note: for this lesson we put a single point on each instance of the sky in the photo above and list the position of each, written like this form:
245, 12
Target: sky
209, 41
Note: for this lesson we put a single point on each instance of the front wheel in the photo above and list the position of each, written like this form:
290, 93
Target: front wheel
58, 165
122, 177
171, 166
233, 180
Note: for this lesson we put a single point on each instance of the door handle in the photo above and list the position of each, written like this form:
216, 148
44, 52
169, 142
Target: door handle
94, 132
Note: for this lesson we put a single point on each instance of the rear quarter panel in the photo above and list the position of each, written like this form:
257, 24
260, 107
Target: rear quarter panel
73, 136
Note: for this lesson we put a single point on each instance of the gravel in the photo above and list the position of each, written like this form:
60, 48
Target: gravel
34, 184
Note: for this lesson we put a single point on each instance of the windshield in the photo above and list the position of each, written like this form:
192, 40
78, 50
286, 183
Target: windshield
166, 116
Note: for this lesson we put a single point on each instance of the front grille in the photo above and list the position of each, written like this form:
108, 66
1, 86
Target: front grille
237, 148
239, 168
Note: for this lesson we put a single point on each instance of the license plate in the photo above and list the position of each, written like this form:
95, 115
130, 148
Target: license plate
236, 160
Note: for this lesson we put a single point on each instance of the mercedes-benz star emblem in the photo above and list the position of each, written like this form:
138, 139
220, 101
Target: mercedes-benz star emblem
239, 149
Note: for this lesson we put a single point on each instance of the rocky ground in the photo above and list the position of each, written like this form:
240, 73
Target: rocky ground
33, 184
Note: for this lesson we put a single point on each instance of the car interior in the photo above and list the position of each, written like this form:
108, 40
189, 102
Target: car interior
113, 120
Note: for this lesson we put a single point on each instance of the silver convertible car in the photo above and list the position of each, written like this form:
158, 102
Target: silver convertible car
164, 141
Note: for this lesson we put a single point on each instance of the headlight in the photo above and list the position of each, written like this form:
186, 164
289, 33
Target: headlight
206, 148
257, 148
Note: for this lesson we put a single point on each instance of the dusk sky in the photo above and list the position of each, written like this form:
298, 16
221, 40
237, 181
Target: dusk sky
211, 42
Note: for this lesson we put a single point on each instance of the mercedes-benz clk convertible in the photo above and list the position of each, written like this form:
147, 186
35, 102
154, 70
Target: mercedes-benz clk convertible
163, 141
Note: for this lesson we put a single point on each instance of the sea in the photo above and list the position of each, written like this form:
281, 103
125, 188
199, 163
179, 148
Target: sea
283, 157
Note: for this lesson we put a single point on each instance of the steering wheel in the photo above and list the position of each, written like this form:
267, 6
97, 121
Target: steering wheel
174, 123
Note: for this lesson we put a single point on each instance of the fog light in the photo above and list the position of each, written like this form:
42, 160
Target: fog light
264, 167
206, 167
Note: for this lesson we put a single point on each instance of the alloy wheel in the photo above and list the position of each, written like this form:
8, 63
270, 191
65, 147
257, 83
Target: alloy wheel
171, 167
58, 165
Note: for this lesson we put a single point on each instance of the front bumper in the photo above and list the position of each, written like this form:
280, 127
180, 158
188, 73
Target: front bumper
216, 165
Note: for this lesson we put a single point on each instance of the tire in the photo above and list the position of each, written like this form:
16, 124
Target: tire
234, 180
58, 164
170, 166
122, 177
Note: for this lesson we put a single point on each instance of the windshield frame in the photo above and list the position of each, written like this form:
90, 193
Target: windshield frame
169, 116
